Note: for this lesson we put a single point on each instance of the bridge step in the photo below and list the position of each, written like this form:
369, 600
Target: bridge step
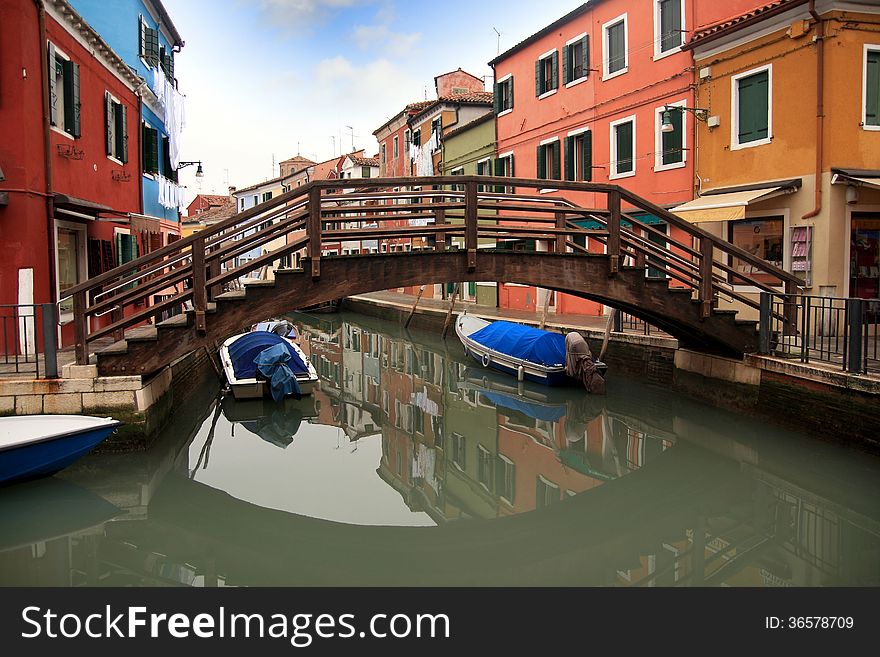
234, 295
142, 334
259, 284
178, 321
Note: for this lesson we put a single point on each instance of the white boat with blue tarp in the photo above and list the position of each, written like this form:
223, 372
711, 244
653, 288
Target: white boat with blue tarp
261, 363
528, 353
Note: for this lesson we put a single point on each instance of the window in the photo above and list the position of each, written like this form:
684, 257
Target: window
383, 151
504, 169
506, 478
546, 493
579, 156
365, 172
116, 125
166, 60
576, 59
267, 196
437, 128
241, 205
407, 140
64, 105
668, 26
752, 111
167, 169
547, 73
126, 246
484, 168
616, 38
762, 238
458, 451
149, 46
151, 148
871, 86
669, 147
503, 98
417, 138
484, 467
549, 164
623, 146
459, 90
457, 172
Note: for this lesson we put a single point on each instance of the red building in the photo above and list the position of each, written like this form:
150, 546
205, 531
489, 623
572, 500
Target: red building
69, 153
204, 202
585, 99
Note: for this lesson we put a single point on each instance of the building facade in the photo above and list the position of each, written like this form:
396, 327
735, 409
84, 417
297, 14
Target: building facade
69, 198
789, 164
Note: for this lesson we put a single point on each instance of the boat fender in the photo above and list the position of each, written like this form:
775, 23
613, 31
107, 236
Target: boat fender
486, 360
520, 373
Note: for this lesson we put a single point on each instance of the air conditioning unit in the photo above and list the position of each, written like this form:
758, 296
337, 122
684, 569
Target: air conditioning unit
713, 121
705, 72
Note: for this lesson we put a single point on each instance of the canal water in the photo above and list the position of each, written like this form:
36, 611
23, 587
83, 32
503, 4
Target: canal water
411, 465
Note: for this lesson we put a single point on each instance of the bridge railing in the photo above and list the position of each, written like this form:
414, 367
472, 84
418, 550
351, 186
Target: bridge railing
390, 215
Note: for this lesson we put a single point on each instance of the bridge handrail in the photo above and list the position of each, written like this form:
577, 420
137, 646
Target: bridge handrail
460, 207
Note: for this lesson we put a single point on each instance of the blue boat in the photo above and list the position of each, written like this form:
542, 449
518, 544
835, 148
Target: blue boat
526, 352
40, 445
240, 354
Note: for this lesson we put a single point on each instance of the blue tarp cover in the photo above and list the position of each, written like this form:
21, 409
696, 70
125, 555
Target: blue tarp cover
523, 342
529, 409
272, 366
244, 351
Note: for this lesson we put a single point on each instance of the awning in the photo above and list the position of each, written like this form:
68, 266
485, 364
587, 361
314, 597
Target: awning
73, 203
724, 207
856, 177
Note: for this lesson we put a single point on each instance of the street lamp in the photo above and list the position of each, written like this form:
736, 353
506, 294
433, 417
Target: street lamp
199, 172
700, 113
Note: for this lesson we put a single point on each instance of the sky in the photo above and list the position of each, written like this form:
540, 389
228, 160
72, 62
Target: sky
267, 79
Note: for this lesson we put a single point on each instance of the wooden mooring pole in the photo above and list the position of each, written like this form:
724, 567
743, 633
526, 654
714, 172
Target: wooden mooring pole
449, 314
413, 310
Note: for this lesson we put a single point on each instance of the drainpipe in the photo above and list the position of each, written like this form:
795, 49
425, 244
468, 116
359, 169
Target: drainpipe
47, 151
820, 106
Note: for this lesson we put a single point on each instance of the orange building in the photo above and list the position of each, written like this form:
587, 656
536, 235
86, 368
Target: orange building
789, 151
584, 98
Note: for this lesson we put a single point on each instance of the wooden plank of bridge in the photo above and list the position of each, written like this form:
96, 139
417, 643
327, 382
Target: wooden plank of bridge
200, 291
613, 243
470, 224
314, 231
439, 220
116, 315
706, 291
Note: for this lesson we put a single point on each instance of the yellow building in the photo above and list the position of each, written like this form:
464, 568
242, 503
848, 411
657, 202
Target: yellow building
788, 147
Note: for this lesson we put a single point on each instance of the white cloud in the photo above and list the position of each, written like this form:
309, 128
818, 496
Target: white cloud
382, 38
304, 13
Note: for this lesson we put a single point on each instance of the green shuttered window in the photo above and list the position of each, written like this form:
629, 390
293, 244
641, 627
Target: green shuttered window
672, 142
624, 147
64, 95
503, 99
579, 157
753, 105
872, 88
149, 40
615, 44
151, 149
576, 60
116, 128
547, 73
549, 161
670, 25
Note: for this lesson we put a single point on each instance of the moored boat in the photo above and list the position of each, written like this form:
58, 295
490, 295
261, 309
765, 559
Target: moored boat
525, 352
260, 363
40, 445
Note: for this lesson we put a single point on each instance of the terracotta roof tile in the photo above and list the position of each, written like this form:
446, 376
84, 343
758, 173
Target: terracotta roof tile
364, 161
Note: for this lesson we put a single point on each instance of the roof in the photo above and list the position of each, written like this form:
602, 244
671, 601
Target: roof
470, 124
411, 108
215, 213
165, 20
574, 13
297, 158
364, 161
258, 185
470, 98
735, 23
212, 199
458, 70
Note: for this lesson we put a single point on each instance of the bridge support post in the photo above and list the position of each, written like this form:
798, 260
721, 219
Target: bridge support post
764, 324
200, 292
80, 328
560, 238
613, 247
314, 231
116, 315
789, 309
854, 347
440, 220
706, 292
213, 272
470, 224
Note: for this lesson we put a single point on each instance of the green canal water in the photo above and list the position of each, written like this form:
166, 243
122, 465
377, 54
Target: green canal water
413, 466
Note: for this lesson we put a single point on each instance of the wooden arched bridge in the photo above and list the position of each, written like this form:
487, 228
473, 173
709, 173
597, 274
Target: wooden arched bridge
588, 240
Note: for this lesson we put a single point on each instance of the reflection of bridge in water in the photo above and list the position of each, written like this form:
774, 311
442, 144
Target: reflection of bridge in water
727, 511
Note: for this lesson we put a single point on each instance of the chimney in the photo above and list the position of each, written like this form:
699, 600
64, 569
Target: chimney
231, 191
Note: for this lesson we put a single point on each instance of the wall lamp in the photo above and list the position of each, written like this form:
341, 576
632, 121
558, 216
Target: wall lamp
700, 113
199, 172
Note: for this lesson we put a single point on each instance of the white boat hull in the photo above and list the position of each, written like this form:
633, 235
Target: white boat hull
257, 389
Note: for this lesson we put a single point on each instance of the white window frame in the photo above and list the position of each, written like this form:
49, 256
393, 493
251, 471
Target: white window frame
613, 174
586, 74
547, 142
60, 129
548, 55
606, 55
115, 101
502, 81
734, 109
869, 47
658, 40
658, 138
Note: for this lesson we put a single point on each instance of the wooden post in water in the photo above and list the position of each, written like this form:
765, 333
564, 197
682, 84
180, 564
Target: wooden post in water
200, 291
80, 328
449, 314
413, 310
314, 231
470, 224
706, 291
547, 294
